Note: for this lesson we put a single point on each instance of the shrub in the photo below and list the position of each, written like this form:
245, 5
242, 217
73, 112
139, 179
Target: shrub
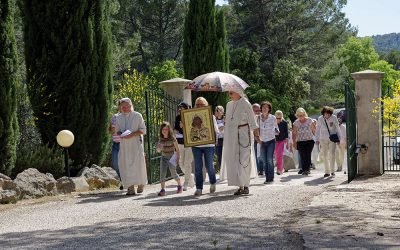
43, 158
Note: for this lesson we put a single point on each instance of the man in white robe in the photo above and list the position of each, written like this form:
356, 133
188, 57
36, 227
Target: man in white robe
131, 160
238, 158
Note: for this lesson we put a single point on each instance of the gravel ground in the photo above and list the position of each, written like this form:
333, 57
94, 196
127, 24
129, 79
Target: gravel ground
265, 219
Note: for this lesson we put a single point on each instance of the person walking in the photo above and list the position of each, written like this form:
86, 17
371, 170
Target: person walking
116, 139
341, 148
169, 148
281, 141
208, 152
185, 153
220, 118
257, 146
131, 162
268, 130
238, 158
328, 125
302, 133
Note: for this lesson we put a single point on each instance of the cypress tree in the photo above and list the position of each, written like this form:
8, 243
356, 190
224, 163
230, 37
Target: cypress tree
199, 39
200, 45
222, 59
67, 51
8, 80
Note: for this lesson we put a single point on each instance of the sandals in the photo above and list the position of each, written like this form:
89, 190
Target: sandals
241, 191
140, 189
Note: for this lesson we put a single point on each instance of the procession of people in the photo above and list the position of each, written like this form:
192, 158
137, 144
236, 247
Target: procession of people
248, 139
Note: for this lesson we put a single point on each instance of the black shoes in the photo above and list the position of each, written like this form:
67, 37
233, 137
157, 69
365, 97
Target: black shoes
306, 173
260, 173
300, 171
326, 175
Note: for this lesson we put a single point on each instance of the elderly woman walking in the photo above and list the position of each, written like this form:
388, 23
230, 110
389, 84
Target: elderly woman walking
131, 161
281, 141
303, 133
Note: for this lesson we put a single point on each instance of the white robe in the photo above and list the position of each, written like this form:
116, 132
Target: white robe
238, 162
131, 160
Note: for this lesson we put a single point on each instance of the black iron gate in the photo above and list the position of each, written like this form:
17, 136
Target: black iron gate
159, 107
351, 132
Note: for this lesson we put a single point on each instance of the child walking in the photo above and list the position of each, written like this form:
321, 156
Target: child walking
168, 145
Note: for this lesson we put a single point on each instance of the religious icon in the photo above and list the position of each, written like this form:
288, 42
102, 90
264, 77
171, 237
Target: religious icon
198, 126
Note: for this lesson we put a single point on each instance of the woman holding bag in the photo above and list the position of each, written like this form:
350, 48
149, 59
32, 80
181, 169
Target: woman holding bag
328, 134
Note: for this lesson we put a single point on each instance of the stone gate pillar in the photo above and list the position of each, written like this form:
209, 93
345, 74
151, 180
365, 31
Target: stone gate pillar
369, 125
176, 88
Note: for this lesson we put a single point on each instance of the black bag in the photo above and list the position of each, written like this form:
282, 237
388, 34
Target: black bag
334, 138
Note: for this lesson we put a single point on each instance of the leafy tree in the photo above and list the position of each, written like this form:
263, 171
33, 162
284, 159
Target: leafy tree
149, 32
390, 77
391, 107
68, 59
357, 54
394, 58
8, 81
309, 31
165, 71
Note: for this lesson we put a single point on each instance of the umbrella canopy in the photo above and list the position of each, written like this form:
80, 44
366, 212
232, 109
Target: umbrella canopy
217, 81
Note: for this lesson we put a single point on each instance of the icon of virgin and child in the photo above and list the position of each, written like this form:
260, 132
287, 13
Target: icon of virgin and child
199, 132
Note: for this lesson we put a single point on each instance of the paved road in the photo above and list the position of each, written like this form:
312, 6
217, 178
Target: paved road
177, 221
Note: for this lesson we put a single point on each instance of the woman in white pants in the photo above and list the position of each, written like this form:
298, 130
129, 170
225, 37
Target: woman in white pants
340, 150
186, 155
327, 125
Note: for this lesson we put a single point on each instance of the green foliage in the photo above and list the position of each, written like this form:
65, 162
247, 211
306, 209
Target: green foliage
199, 45
147, 33
43, 158
386, 43
222, 53
394, 58
134, 85
357, 54
390, 76
68, 60
289, 85
165, 71
246, 65
8, 80
307, 33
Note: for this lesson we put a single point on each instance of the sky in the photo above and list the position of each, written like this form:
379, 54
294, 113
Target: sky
371, 17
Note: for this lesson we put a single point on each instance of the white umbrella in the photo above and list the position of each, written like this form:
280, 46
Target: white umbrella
217, 81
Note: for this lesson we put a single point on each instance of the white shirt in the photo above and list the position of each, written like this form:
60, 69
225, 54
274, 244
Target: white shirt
322, 130
267, 128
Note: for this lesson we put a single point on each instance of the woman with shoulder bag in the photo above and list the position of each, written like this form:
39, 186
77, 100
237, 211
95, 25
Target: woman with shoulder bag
328, 134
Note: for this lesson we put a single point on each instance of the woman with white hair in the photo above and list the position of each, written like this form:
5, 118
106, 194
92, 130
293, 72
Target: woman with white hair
131, 161
303, 141
238, 159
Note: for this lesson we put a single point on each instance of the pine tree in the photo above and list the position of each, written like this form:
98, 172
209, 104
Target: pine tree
8, 80
200, 45
67, 50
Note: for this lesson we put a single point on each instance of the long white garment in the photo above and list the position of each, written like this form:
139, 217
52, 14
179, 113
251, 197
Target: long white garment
131, 160
238, 161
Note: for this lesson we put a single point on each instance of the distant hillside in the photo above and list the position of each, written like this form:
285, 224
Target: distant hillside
385, 43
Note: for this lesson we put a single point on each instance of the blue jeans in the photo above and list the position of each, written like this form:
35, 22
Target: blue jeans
259, 162
114, 157
208, 153
267, 156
